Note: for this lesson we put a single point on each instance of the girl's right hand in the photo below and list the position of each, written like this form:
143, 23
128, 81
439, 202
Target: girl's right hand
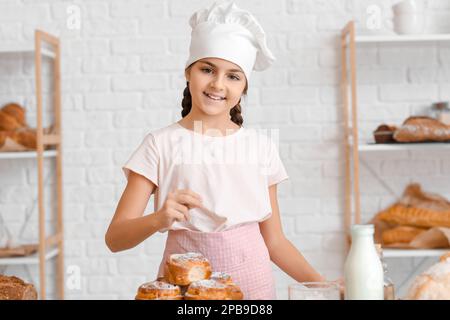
177, 206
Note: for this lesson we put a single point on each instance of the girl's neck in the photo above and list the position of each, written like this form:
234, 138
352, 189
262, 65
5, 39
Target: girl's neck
226, 126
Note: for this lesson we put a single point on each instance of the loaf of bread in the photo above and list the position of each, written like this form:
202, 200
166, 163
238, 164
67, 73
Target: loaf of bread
183, 269
415, 217
13, 288
158, 290
417, 208
422, 129
434, 283
401, 234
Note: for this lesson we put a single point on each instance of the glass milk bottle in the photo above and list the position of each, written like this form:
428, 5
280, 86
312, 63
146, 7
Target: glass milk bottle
363, 272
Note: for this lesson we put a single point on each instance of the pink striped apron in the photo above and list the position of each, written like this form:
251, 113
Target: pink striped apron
240, 252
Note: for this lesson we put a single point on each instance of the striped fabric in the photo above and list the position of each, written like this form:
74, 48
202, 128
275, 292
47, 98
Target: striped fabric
240, 252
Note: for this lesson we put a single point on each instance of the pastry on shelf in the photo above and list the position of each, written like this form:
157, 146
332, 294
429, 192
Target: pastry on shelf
434, 283
422, 129
18, 251
185, 268
384, 134
14, 288
417, 208
401, 234
158, 290
12, 117
416, 217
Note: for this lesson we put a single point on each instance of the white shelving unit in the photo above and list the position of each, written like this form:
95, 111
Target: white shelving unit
400, 253
402, 38
49, 246
27, 154
28, 260
26, 50
353, 148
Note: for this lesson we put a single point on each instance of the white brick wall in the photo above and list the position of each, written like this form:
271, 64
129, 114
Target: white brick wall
122, 75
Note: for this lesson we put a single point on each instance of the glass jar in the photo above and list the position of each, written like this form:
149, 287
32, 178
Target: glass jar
441, 112
389, 289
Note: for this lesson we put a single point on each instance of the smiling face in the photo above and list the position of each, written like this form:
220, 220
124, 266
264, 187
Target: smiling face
216, 85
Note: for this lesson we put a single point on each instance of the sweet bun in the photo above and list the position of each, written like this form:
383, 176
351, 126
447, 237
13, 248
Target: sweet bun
221, 277
159, 290
207, 290
183, 269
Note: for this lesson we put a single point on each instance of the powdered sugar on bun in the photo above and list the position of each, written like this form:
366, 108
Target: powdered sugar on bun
183, 258
158, 285
221, 277
207, 284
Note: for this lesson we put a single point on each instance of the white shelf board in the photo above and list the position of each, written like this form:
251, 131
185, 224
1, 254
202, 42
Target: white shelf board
26, 154
401, 38
25, 49
31, 259
402, 253
368, 147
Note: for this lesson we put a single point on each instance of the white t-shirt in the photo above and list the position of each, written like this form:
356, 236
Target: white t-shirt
231, 173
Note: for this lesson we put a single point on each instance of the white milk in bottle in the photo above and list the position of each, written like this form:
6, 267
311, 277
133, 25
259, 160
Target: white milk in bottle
363, 271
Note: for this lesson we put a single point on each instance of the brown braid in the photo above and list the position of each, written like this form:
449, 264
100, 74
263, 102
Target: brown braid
235, 112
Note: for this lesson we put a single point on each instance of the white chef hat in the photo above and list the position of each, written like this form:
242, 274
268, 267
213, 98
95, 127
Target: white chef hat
228, 32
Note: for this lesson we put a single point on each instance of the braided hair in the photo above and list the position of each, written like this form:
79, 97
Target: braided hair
235, 112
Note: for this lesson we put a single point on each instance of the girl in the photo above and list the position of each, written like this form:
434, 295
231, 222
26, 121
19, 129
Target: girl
225, 209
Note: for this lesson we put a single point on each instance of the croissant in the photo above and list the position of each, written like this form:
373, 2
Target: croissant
401, 234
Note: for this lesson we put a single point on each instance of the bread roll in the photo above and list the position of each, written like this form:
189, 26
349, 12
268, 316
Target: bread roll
8, 122
183, 269
416, 217
13, 288
16, 111
234, 291
401, 234
207, 290
434, 283
158, 290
